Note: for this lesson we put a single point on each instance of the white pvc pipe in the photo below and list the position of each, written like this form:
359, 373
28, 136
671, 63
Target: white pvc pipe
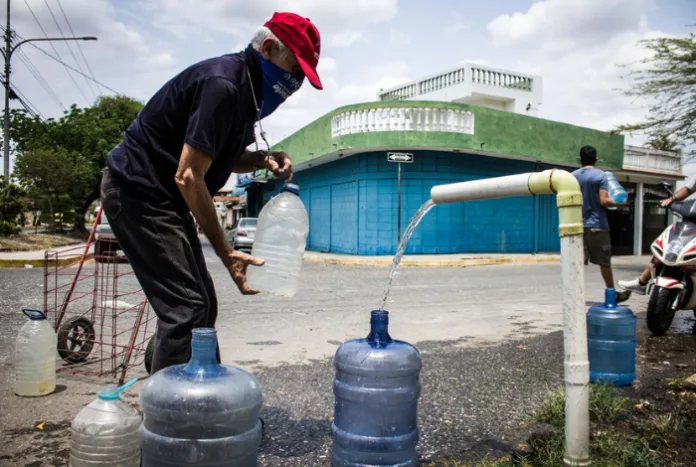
500, 187
576, 364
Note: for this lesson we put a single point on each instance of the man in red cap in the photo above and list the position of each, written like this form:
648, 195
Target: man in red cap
180, 150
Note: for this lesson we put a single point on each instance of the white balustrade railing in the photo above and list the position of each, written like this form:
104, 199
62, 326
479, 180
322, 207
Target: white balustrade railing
402, 119
474, 74
489, 77
637, 158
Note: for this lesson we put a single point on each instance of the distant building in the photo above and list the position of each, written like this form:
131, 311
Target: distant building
467, 123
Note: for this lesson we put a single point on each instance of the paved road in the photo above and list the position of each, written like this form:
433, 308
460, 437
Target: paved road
490, 338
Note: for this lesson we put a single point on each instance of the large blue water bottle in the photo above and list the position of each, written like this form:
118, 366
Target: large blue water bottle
611, 340
377, 387
616, 191
201, 413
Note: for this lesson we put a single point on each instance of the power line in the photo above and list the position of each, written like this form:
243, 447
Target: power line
31, 108
56, 51
91, 73
89, 85
24, 58
75, 70
40, 79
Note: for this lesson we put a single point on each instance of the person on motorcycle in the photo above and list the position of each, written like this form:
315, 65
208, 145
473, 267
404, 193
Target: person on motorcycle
595, 201
639, 285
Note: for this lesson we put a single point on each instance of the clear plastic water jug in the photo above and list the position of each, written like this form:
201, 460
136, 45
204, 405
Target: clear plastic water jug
376, 391
201, 413
35, 356
616, 191
611, 340
281, 237
105, 432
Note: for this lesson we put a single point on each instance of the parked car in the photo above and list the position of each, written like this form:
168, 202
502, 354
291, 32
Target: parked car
104, 239
241, 236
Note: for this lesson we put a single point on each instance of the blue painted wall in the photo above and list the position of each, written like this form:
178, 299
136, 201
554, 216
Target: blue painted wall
352, 206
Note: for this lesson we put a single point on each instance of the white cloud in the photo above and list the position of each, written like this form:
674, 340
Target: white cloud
578, 47
340, 23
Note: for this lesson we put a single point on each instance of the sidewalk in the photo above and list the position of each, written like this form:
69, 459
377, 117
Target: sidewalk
458, 260
65, 256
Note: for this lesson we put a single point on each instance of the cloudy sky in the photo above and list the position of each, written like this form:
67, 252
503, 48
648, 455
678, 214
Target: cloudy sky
575, 45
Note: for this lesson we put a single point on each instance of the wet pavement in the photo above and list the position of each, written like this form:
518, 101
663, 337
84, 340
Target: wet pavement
489, 336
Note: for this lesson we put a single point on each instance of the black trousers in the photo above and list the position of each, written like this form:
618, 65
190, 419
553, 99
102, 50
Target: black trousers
163, 248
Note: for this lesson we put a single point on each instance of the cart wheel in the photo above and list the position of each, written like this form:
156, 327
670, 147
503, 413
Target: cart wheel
75, 339
149, 353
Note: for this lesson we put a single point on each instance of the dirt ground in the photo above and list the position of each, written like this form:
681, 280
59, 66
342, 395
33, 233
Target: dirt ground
40, 241
661, 411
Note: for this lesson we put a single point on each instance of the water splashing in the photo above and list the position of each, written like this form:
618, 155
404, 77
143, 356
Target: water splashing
415, 220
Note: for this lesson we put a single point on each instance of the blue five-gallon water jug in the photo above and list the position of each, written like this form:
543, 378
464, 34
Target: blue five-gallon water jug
611, 340
377, 387
616, 191
201, 413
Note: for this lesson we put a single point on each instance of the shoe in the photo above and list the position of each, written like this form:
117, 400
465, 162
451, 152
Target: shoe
633, 286
623, 296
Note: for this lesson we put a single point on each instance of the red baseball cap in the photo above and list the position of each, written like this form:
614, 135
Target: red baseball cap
302, 38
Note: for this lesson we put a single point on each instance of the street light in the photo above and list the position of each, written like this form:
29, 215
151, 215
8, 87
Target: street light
7, 53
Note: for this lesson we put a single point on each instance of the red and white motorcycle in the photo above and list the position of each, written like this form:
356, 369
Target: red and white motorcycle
673, 268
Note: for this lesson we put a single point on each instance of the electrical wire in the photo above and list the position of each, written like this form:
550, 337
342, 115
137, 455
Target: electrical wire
56, 51
89, 68
67, 44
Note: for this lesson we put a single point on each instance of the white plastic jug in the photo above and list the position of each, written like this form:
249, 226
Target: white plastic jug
281, 237
35, 356
105, 432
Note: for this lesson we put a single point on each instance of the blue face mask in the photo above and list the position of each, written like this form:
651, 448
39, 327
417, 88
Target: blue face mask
276, 86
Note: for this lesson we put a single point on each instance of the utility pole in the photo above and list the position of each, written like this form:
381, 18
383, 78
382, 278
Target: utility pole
6, 131
7, 53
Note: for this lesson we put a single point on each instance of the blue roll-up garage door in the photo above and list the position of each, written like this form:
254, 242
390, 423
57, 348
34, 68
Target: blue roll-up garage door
320, 219
344, 218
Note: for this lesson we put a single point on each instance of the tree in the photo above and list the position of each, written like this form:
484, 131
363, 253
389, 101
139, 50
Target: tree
662, 143
668, 80
90, 132
50, 174
11, 207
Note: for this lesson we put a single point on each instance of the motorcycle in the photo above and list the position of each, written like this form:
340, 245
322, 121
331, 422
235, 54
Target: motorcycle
673, 269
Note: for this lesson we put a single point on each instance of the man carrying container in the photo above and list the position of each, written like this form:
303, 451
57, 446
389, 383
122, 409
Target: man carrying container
595, 201
180, 150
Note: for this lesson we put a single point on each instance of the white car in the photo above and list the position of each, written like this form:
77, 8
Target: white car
105, 243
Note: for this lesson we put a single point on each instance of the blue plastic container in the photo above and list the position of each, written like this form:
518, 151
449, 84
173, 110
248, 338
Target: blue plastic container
377, 387
616, 191
611, 341
201, 413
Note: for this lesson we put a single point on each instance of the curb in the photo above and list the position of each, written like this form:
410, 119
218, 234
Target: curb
457, 263
39, 263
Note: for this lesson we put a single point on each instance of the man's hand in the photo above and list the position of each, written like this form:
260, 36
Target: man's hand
237, 263
667, 202
279, 161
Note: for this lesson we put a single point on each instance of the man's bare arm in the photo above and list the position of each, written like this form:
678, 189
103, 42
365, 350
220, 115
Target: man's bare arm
190, 178
275, 161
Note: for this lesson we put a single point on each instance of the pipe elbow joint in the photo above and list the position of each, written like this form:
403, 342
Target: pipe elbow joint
568, 198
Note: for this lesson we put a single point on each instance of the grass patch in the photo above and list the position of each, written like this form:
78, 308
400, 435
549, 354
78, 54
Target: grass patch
41, 241
609, 446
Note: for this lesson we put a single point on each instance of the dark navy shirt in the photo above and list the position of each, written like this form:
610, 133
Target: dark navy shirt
208, 106
594, 215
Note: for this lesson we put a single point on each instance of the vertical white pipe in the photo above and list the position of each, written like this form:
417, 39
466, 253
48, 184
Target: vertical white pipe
638, 220
576, 364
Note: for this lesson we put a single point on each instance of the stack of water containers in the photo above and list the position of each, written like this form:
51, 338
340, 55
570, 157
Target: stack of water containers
201, 413
281, 237
105, 432
376, 390
35, 356
611, 340
616, 191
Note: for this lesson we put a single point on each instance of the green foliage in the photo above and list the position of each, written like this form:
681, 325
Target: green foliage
82, 137
12, 203
667, 80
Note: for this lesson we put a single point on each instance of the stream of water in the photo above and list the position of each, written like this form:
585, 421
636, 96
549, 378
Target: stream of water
415, 220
